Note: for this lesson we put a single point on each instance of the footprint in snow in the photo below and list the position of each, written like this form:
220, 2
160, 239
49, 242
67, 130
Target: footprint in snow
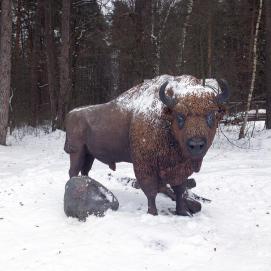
157, 245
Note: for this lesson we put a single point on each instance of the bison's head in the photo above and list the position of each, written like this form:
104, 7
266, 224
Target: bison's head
194, 116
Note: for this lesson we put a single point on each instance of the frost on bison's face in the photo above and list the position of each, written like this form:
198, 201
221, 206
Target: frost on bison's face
193, 117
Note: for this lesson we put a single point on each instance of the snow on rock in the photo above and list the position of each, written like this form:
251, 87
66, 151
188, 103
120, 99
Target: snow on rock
85, 196
231, 233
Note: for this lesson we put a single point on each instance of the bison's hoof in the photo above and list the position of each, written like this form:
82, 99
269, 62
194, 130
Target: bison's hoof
193, 205
152, 211
184, 211
191, 183
182, 208
189, 207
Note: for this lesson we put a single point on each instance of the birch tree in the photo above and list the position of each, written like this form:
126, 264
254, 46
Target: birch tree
5, 67
180, 61
158, 26
254, 69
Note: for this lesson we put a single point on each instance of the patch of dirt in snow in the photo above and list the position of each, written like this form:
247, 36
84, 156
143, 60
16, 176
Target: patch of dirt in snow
231, 233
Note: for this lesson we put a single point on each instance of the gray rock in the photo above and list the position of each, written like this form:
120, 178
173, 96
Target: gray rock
85, 196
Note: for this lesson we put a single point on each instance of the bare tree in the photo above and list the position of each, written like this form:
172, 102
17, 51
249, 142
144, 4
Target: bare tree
254, 69
268, 62
5, 67
64, 65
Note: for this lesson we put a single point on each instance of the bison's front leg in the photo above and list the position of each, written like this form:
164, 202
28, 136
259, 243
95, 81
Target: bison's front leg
149, 184
150, 189
181, 203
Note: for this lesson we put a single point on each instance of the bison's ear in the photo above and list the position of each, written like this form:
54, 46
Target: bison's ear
165, 99
167, 111
225, 91
221, 112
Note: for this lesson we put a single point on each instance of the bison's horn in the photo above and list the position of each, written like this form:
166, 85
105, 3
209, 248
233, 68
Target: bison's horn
225, 91
168, 101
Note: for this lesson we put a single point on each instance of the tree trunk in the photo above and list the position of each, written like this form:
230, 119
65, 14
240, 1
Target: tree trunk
157, 39
202, 56
210, 38
18, 29
254, 69
5, 67
51, 61
268, 62
139, 39
252, 30
35, 64
64, 65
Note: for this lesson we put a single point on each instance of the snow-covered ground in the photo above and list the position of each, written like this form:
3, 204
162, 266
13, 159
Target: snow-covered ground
231, 233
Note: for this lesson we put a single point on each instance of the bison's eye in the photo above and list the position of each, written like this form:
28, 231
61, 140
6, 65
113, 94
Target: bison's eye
181, 120
210, 119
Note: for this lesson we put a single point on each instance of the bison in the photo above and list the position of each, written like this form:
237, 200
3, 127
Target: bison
163, 126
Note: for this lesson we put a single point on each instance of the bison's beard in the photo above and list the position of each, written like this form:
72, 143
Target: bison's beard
196, 165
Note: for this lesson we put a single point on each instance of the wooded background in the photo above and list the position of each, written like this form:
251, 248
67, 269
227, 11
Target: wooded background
68, 53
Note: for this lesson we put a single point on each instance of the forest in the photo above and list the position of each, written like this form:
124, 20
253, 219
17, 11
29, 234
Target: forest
135, 135
56, 55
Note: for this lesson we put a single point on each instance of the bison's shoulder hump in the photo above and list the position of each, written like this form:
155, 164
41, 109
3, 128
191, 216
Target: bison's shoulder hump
144, 99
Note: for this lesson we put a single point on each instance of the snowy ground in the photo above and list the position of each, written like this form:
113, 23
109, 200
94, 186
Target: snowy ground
231, 233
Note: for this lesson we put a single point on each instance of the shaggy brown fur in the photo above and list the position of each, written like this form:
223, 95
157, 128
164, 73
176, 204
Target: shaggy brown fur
150, 138
159, 155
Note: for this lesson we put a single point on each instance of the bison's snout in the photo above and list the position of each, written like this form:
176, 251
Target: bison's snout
196, 146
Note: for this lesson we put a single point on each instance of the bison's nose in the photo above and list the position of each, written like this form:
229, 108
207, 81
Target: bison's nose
196, 145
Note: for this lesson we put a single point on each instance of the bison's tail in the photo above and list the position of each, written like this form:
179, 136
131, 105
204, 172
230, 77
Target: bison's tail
68, 148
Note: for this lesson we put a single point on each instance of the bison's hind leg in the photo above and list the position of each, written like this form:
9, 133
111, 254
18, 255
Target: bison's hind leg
112, 166
80, 160
88, 161
76, 162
